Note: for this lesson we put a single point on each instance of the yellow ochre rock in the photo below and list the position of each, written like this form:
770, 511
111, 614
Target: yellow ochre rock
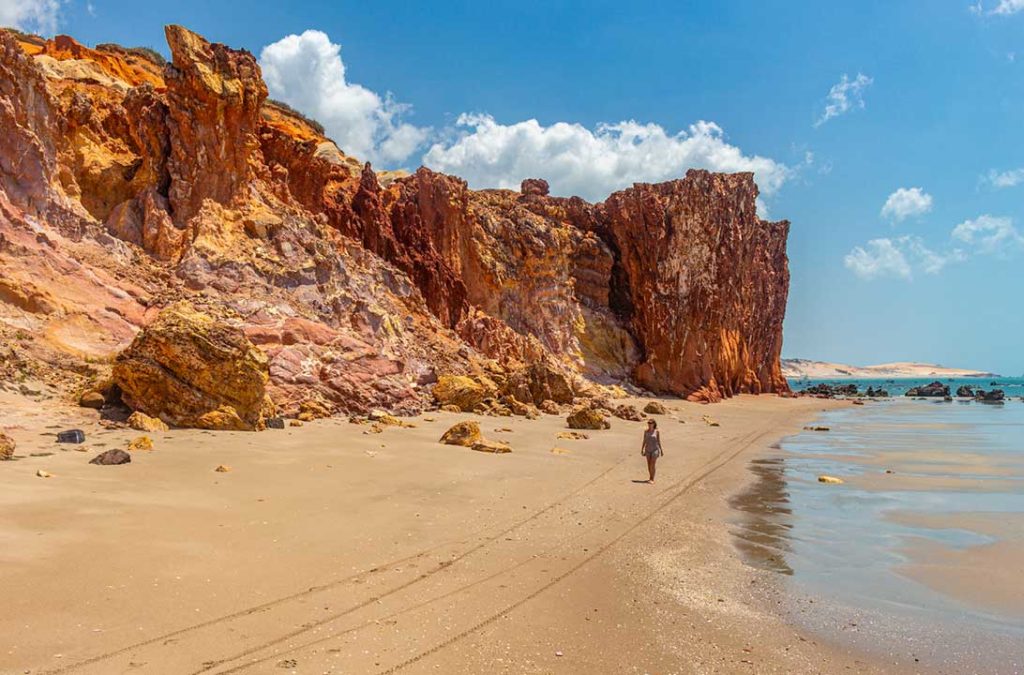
140, 421
463, 392
195, 369
464, 433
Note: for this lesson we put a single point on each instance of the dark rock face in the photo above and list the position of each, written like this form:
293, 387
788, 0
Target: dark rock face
934, 390
876, 393
992, 396
112, 458
965, 391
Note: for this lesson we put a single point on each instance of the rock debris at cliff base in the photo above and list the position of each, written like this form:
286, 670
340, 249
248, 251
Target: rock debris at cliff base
128, 186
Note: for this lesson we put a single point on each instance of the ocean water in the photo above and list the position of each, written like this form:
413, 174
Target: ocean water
919, 554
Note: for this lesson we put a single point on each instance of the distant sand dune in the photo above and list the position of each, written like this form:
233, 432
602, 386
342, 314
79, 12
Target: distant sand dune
799, 368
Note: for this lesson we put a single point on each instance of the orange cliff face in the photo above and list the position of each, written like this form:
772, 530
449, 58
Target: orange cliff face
127, 184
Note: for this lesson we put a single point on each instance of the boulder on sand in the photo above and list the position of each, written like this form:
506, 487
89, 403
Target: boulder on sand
6, 447
92, 399
195, 369
140, 421
111, 458
627, 412
496, 447
587, 418
464, 433
655, 408
461, 391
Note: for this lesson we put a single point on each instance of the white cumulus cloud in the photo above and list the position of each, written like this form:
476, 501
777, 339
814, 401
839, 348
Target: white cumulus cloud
306, 72
591, 163
906, 202
38, 16
880, 258
1005, 179
1003, 7
989, 234
898, 258
844, 96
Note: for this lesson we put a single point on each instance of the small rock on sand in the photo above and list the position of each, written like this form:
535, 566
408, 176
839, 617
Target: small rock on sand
572, 435
560, 451
44, 474
816, 429
222, 468
464, 433
7, 446
484, 445
655, 408
111, 458
832, 480
71, 436
587, 418
140, 421
91, 399
140, 443
294, 423
710, 422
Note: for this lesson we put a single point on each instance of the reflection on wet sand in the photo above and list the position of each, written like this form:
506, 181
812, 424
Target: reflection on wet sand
762, 530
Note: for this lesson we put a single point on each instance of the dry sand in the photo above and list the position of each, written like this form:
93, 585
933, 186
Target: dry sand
327, 549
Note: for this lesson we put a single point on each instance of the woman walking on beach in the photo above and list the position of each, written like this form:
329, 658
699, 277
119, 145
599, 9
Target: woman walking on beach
651, 449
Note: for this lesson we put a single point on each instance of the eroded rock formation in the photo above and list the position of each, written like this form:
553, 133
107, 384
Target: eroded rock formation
128, 184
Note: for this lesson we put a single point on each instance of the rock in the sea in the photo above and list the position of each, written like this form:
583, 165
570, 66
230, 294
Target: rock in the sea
140, 421
965, 391
92, 399
934, 390
140, 443
465, 393
195, 369
830, 479
111, 458
7, 447
824, 390
464, 433
991, 396
497, 447
587, 418
655, 408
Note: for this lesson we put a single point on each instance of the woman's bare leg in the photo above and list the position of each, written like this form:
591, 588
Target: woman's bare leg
651, 461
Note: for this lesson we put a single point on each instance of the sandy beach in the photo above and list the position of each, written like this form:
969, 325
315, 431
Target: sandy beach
327, 549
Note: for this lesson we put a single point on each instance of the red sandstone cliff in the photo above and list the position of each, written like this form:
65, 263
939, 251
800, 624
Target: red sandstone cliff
127, 184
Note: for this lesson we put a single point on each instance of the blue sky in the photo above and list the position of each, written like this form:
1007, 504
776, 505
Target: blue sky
938, 106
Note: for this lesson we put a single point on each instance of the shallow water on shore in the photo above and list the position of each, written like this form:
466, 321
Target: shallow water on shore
921, 547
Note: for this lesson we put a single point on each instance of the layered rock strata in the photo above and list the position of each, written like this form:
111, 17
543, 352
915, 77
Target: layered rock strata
128, 184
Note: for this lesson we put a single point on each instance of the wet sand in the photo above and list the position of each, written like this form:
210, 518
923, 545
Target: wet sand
327, 549
919, 551
986, 575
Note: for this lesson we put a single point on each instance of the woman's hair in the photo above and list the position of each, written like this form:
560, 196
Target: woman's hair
653, 423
